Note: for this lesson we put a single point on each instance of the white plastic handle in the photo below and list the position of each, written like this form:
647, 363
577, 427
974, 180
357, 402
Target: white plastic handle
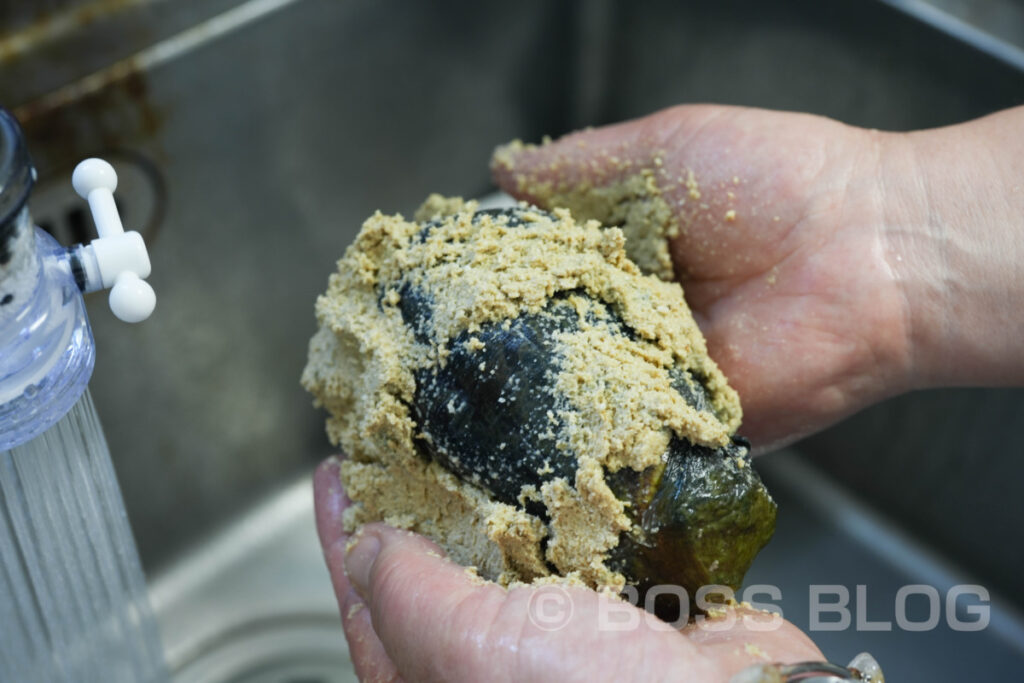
95, 181
121, 257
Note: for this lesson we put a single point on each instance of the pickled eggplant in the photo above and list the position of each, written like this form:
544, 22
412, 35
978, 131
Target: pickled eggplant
509, 383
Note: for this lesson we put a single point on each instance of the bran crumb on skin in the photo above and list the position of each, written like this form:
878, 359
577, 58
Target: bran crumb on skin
754, 650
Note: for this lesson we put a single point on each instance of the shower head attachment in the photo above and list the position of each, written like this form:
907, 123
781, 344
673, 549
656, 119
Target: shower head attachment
116, 259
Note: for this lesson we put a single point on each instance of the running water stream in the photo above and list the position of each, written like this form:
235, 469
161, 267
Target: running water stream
73, 601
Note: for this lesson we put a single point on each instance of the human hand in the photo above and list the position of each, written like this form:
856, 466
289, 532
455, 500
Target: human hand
411, 614
825, 264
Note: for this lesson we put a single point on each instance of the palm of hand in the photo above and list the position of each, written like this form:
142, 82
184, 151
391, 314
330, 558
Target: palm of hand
781, 251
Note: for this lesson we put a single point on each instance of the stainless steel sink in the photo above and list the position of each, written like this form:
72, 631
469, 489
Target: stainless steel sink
829, 538
253, 137
254, 602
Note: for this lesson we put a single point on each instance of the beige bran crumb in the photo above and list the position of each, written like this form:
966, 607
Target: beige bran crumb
754, 650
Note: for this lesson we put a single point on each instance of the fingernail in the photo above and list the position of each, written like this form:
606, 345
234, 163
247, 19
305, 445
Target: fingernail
359, 562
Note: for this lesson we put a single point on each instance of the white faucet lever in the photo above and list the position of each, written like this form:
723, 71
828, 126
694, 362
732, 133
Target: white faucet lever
119, 258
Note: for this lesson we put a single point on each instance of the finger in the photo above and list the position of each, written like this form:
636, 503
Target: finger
590, 157
368, 656
438, 623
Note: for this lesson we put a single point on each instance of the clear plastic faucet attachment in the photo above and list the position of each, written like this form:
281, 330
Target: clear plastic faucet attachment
46, 346
116, 259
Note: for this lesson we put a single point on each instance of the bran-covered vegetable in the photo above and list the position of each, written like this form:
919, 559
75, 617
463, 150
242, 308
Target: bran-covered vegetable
509, 384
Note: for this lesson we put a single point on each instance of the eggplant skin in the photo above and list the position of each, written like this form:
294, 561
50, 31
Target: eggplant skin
489, 426
699, 521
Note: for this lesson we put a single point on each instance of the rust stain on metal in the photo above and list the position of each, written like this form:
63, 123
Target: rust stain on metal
49, 25
110, 109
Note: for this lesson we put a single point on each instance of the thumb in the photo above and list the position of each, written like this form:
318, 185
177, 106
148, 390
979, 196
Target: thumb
583, 159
